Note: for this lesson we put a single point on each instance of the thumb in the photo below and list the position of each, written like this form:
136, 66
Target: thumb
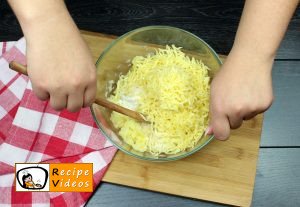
219, 126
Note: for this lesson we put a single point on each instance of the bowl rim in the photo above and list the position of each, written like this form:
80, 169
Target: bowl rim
102, 55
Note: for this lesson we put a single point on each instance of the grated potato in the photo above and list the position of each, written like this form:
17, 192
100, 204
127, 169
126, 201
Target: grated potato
172, 90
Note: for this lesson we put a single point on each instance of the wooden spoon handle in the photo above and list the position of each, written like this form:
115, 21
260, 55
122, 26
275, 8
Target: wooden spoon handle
100, 101
18, 67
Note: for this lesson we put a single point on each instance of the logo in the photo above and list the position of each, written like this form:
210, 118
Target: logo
32, 177
54, 177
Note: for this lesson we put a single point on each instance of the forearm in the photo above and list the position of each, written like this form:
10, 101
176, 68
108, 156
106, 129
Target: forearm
262, 26
248, 66
38, 13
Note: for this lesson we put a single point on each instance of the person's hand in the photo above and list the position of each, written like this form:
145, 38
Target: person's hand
59, 63
241, 90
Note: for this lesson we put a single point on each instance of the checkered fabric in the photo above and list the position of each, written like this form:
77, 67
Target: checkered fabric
30, 131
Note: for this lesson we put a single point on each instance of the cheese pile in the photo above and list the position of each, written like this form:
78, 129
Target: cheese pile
172, 90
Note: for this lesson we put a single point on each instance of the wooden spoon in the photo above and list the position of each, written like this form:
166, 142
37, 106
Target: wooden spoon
100, 101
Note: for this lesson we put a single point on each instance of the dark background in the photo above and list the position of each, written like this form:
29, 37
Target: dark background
212, 20
278, 171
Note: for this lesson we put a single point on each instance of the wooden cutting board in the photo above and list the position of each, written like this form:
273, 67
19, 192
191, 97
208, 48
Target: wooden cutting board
222, 172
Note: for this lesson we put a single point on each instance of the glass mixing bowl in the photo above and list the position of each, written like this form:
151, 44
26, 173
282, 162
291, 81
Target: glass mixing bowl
116, 60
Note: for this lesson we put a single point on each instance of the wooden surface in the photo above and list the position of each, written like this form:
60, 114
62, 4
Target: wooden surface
277, 185
222, 172
277, 180
111, 195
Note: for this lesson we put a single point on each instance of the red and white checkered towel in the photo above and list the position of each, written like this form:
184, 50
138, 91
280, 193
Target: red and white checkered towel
30, 131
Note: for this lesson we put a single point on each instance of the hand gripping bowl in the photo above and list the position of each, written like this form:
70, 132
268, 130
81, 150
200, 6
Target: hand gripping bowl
116, 59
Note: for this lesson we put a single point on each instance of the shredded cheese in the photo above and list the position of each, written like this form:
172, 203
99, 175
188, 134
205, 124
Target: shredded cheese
172, 90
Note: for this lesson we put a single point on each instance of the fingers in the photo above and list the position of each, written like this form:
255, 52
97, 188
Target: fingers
89, 95
251, 115
220, 126
221, 123
40, 93
58, 101
75, 101
72, 102
240, 111
235, 121
80, 99
70, 95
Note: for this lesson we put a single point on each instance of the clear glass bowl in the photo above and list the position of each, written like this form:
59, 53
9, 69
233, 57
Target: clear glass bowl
116, 60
